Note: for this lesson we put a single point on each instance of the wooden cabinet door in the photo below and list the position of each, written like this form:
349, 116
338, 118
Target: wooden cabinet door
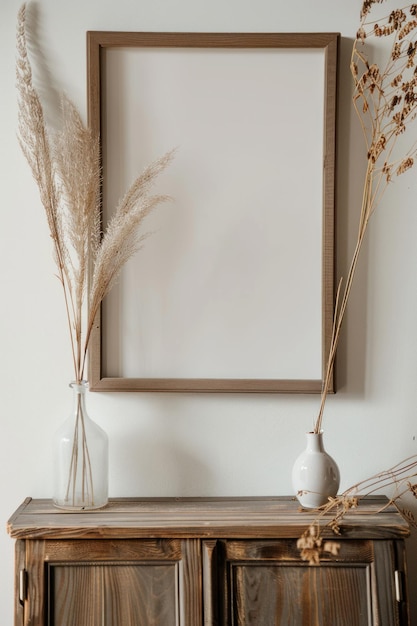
265, 583
113, 583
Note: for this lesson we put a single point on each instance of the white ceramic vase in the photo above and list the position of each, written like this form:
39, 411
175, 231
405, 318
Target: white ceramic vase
315, 475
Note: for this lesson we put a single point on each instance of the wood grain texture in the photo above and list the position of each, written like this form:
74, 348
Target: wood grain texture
35, 606
262, 583
97, 44
126, 39
210, 583
202, 385
290, 595
190, 583
276, 517
386, 612
106, 595
116, 549
286, 550
19, 565
113, 582
205, 561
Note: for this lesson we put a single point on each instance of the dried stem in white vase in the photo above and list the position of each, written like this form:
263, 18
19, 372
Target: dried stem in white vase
385, 100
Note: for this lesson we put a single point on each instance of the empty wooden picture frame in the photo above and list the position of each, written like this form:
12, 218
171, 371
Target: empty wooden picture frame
233, 292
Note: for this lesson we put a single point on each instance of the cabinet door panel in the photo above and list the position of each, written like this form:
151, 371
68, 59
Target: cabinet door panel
144, 582
114, 595
274, 595
265, 582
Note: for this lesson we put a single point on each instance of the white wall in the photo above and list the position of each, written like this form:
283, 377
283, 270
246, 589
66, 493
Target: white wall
185, 444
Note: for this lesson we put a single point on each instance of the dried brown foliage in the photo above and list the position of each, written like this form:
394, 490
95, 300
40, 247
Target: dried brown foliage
312, 546
66, 168
399, 480
385, 100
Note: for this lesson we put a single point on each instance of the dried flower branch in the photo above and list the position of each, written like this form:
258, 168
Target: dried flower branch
400, 479
312, 546
66, 168
385, 100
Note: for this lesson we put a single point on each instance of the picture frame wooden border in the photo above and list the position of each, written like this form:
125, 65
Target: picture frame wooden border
98, 42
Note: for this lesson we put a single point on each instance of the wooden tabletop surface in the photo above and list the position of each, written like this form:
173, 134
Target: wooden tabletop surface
237, 517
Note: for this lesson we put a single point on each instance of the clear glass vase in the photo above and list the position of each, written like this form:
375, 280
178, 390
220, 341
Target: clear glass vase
80, 459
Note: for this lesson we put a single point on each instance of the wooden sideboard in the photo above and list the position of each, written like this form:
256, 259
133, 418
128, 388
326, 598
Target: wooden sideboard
205, 561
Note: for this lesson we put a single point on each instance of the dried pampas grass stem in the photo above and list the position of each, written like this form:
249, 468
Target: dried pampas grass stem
66, 168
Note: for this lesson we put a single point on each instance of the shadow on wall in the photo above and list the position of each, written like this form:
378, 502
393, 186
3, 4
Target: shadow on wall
351, 156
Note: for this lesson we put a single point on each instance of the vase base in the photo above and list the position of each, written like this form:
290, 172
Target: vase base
312, 501
79, 508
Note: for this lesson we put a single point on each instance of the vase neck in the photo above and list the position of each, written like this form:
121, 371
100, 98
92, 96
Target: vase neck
315, 442
79, 391
79, 388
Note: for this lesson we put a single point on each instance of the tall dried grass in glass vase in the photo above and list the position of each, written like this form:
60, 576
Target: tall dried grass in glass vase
66, 167
385, 101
